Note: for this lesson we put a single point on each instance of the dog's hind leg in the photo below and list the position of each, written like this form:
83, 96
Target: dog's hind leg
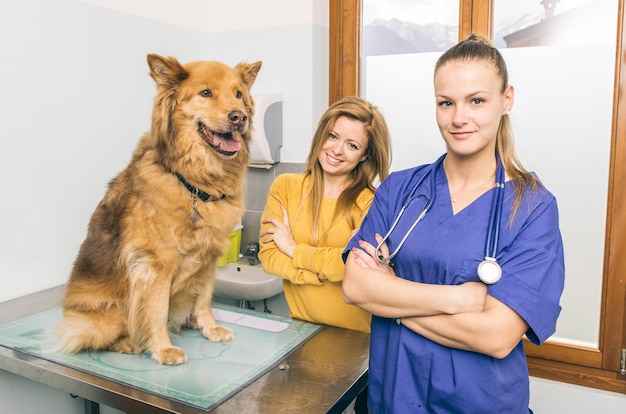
124, 345
181, 311
91, 330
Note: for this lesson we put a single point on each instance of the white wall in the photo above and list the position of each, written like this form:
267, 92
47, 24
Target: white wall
215, 16
551, 397
19, 395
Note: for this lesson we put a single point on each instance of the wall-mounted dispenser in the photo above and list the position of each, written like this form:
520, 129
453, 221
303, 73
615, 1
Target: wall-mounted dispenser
267, 135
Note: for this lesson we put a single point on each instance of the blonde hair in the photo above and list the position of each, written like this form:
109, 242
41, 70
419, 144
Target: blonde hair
375, 166
479, 48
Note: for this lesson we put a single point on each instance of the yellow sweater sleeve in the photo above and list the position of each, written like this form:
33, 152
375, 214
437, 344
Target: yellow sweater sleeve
324, 262
310, 264
283, 191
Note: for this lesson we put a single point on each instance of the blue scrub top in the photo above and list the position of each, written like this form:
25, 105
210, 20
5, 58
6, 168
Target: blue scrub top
411, 374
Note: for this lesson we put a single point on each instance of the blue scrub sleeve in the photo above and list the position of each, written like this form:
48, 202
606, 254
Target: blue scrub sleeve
534, 271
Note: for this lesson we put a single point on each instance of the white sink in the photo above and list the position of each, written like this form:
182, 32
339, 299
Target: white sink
241, 281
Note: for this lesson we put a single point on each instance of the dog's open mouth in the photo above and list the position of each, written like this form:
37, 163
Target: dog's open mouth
224, 143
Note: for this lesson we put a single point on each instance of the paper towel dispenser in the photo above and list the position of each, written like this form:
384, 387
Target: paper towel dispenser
267, 134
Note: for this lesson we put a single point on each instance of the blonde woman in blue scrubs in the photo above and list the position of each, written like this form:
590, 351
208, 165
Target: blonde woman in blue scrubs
446, 336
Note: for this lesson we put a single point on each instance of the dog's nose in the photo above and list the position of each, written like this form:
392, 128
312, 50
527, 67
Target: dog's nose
237, 119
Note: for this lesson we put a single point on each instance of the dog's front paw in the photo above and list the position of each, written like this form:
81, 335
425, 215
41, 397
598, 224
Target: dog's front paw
218, 334
170, 356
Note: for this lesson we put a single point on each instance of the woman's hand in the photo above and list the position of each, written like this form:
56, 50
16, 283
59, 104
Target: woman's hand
366, 256
280, 233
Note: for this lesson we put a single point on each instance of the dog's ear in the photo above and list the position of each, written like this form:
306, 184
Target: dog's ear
167, 72
248, 72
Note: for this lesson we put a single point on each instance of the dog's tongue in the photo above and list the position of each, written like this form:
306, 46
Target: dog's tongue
226, 144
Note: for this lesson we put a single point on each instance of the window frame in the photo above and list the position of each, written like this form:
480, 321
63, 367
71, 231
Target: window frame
596, 367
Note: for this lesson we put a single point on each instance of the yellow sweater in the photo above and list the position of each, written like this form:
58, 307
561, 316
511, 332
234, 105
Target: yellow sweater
312, 278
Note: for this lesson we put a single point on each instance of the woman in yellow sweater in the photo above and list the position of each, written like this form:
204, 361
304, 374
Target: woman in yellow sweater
309, 217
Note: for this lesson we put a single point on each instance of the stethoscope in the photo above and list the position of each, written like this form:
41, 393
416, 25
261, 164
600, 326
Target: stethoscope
489, 271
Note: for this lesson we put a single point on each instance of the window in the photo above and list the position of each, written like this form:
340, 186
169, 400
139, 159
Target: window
598, 364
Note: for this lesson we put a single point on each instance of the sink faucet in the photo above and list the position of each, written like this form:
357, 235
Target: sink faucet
252, 253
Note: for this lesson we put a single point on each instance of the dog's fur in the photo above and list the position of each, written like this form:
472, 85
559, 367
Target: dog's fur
150, 254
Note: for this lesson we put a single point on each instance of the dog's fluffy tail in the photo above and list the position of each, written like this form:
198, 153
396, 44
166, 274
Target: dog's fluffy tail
79, 331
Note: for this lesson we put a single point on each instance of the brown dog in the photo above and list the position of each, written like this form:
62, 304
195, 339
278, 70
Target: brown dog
153, 242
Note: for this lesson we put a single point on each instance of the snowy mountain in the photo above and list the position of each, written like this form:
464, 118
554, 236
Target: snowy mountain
390, 37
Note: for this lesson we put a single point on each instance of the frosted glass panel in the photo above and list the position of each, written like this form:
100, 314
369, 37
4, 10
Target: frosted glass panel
561, 118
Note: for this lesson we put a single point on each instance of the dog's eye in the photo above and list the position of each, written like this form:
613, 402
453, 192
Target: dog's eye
239, 94
206, 93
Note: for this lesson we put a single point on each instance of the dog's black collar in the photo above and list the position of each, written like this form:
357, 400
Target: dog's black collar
197, 192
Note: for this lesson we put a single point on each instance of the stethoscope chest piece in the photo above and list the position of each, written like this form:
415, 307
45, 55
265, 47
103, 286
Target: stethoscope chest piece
489, 271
